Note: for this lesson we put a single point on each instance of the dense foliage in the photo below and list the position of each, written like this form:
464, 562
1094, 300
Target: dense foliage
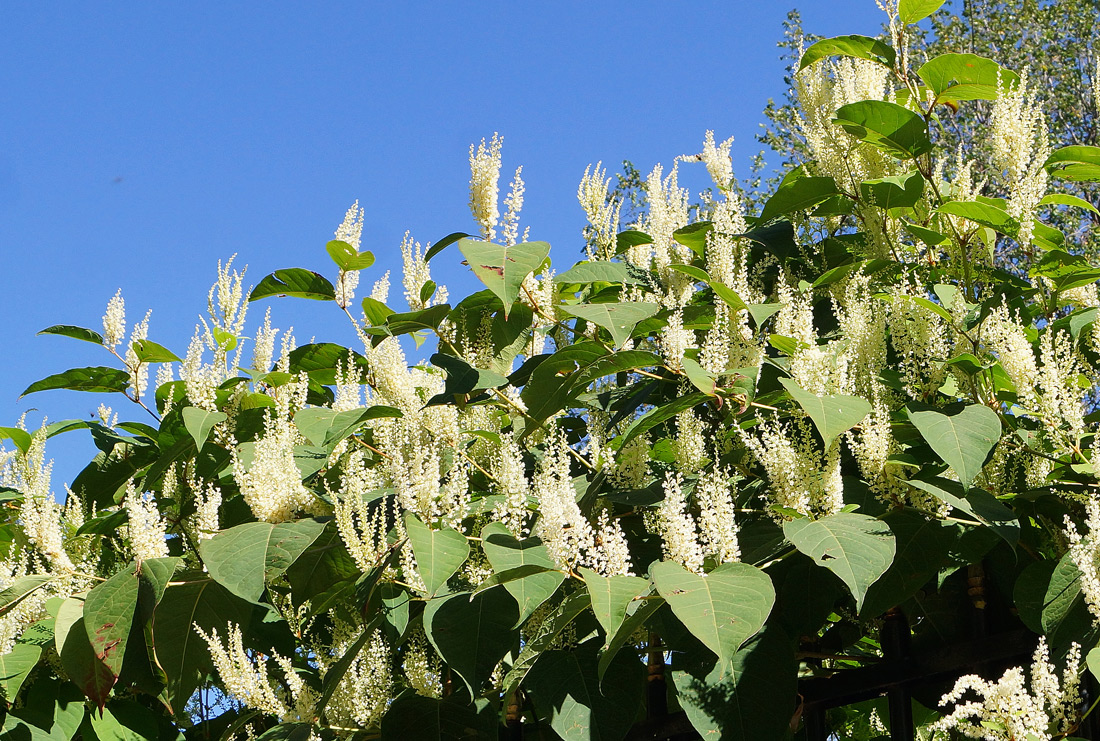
718, 451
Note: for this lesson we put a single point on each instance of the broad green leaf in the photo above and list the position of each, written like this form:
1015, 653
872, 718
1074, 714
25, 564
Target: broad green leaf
243, 558
966, 77
658, 415
982, 214
728, 295
20, 589
375, 311
414, 321
722, 609
1062, 199
862, 47
595, 271
888, 126
447, 241
914, 11
108, 615
611, 596
618, 319
148, 351
323, 572
297, 282
700, 378
506, 552
463, 378
1065, 271
72, 640
439, 553
928, 236
125, 720
21, 438
798, 195
472, 634
77, 333
422, 718
53, 711
1092, 661
855, 547
922, 546
427, 290
748, 698
833, 414
1078, 163
694, 236
179, 651
100, 379
978, 503
545, 637
325, 427
200, 422
551, 385
565, 686
963, 435
690, 270
1065, 614
634, 622
503, 269
15, 666
347, 257
624, 360
896, 191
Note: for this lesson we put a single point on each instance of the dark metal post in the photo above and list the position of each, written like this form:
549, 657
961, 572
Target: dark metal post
656, 687
814, 718
895, 647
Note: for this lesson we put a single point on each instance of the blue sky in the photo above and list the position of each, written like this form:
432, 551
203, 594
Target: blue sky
140, 143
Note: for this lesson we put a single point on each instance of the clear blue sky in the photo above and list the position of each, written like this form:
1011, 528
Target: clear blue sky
141, 142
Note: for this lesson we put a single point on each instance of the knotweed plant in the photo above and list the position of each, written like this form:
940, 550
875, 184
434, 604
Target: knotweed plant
714, 451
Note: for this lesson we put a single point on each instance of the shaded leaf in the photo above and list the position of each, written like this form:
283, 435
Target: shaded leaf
618, 319
963, 435
245, 557
77, 333
855, 547
296, 282
439, 553
472, 634
832, 414
565, 686
861, 47
507, 553
199, 423
978, 503
888, 126
722, 609
100, 379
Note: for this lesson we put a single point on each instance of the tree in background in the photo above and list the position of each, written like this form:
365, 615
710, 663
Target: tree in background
1054, 41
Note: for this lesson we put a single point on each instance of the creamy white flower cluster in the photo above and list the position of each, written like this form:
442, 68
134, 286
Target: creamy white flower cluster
1012, 709
246, 678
